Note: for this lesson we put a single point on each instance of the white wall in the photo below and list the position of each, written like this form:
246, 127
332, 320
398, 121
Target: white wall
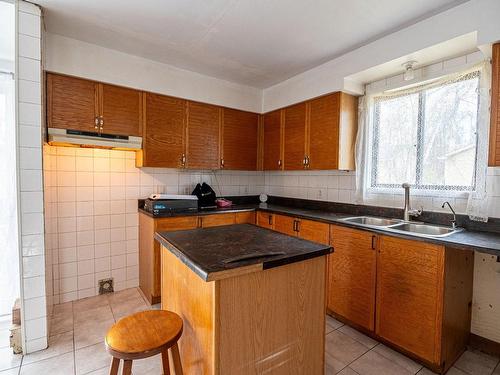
73, 57
474, 15
35, 304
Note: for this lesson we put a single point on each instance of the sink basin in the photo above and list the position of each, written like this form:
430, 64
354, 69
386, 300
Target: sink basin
372, 221
425, 229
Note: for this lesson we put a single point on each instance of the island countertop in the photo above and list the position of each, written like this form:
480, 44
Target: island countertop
219, 252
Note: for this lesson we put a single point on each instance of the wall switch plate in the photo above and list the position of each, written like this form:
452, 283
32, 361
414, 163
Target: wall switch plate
106, 286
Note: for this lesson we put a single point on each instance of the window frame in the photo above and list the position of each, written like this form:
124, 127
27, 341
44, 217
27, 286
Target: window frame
374, 139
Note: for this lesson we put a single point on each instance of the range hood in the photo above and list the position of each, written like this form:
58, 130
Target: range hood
75, 138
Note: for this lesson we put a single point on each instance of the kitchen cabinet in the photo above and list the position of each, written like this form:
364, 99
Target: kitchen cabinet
203, 135
164, 132
285, 224
265, 219
80, 104
332, 128
494, 156
306, 229
352, 275
216, 220
424, 298
239, 140
272, 141
295, 137
245, 217
71, 103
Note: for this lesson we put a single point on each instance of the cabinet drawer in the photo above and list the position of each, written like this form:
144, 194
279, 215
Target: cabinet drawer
245, 217
314, 231
176, 223
216, 220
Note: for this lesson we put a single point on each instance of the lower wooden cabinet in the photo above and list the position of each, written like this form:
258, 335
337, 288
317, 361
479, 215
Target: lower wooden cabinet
352, 276
285, 224
424, 297
216, 220
245, 217
314, 231
265, 219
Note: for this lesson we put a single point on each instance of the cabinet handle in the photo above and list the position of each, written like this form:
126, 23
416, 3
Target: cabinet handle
222, 163
200, 222
101, 123
296, 226
96, 126
270, 219
373, 242
279, 163
304, 162
183, 160
307, 162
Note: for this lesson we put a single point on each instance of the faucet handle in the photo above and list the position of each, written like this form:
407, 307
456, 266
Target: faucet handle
405, 185
415, 212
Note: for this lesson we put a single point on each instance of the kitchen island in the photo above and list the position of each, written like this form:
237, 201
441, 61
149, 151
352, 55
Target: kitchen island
252, 300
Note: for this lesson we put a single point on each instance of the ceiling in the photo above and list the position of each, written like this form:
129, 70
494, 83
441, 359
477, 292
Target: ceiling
252, 42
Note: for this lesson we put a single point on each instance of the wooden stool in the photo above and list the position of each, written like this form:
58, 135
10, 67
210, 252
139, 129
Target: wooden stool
143, 335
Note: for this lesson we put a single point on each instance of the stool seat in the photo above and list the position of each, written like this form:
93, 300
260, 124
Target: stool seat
143, 334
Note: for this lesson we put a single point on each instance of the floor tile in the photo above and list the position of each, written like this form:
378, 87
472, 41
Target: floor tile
90, 303
63, 308
101, 371
61, 323
12, 371
373, 363
9, 360
348, 371
332, 324
91, 332
398, 358
455, 371
358, 336
91, 358
128, 307
60, 365
100, 313
5, 321
148, 366
344, 348
497, 370
124, 295
425, 371
4, 338
476, 363
58, 344
333, 365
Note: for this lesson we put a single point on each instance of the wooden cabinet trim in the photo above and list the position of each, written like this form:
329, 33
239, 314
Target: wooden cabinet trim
494, 149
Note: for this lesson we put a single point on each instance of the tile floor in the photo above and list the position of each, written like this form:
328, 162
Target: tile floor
78, 328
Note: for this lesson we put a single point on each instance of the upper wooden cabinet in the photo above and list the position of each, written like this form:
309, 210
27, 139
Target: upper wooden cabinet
316, 134
272, 141
80, 104
203, 136
352, 275
164, 132
494, 158
332, 128
121, 110
72, 103
239, 139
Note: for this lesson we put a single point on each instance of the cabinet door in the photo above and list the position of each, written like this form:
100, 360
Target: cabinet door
295, 136
285, 224
314, 231
163, 142
351, 275
216, 220
121, 110
410, 278
71, 103
245, 217
323, 150
240, 133
272, 141
176, 223
265, 219
203, 130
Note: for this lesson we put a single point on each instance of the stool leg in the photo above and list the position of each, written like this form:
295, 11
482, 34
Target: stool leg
176, 358
115, 363
127, 367
164, 361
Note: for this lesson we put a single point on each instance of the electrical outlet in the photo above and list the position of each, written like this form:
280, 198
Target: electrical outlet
106, 286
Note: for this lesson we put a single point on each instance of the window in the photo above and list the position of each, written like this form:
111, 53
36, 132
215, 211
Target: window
427, 136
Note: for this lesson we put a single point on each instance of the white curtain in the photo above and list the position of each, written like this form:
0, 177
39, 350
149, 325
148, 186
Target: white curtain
477, 207
9, 253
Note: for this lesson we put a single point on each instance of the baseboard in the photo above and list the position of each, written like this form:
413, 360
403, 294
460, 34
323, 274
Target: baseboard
485, 345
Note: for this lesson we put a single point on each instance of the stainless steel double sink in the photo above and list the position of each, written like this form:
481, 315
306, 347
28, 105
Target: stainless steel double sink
396, 225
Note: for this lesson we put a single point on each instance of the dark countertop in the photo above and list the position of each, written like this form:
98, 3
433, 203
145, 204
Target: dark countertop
207, 251
206, 211
485, 242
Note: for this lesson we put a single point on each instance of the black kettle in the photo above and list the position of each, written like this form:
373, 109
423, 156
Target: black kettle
206, 195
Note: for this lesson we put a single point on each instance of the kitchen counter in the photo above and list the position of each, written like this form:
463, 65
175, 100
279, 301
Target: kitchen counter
214, 253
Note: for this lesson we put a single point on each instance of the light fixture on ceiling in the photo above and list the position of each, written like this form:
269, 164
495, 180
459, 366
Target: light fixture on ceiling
409, 73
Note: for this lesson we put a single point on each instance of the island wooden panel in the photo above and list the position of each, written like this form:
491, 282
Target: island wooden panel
281, 334
239, 139
272, 141
72, 103
494, 156
323, 148
295, 137
352, 276
226, 331
164, 136
410, 278
121, 109
203, 136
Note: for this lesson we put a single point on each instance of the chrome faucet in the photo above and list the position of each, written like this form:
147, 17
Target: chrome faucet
407, 211
454, 221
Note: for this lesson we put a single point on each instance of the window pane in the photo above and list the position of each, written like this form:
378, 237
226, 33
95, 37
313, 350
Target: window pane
449, 134
396, 131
